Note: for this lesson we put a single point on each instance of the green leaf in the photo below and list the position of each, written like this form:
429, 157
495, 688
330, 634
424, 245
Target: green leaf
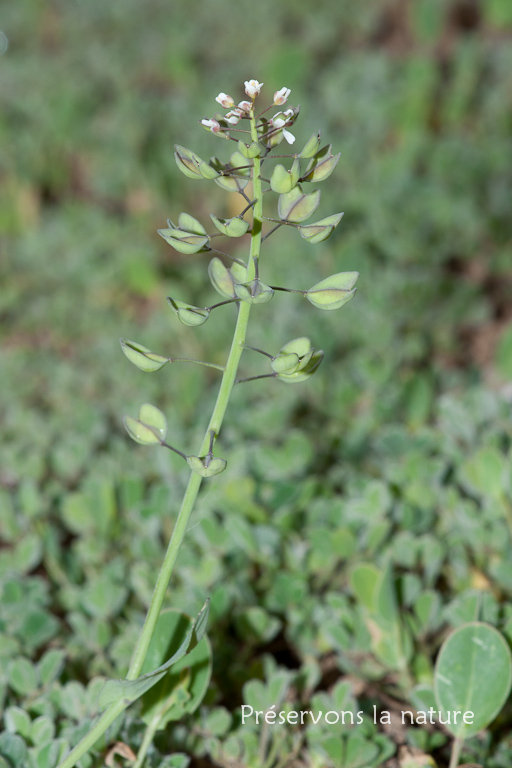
150, 428
50, 665
22, 676
180, 639
142, 357
206, 466
187, 313
297, 206
321, 165
16, 720
363, 580
320, 230
473, 674
311, 146
13, 749
235, 227
254, 292
182, 689
334, 291
283, 181
184, 242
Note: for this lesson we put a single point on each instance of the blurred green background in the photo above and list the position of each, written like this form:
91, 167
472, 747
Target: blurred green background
416, 381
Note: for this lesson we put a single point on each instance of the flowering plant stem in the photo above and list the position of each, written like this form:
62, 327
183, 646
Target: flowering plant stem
194, 483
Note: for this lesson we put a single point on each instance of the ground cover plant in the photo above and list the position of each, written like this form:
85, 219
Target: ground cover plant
396, 454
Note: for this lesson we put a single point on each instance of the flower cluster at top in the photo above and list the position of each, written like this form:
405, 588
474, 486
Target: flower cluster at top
275, 127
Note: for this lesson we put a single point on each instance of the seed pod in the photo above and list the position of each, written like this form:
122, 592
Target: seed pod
187, 313
297, 206
142, 357
235, 227
150, 428
334, 291
320, 230
206, 466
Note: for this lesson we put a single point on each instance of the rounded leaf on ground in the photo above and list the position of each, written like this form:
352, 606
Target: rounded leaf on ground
473, 673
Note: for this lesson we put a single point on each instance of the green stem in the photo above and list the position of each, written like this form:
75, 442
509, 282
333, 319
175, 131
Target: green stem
146, 741
194, 483
456, 750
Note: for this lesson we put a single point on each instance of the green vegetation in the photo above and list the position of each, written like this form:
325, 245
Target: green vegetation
366, 513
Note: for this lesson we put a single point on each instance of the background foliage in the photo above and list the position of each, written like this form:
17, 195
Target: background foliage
396, 454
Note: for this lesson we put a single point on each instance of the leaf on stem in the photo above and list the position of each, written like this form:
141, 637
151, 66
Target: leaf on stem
186, 636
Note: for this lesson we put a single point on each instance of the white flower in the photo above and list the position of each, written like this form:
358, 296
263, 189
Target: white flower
281, 97
252, 88
279, 122
225, 100
232, 117
289, 112
211, 125
246, 106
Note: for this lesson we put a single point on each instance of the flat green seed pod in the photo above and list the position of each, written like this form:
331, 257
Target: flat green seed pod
140, 432
184, 242
150, 428
299, 347
221, 278
187, 223
296, 206
320, 230
311, 146
334, 291
235, 227
285, 363
142, 357
321, 165
187, 313
306, 372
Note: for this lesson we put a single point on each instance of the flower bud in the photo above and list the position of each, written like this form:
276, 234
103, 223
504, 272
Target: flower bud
211, 125
281, 97
246, 106
252, 88
232, 117
225, 100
